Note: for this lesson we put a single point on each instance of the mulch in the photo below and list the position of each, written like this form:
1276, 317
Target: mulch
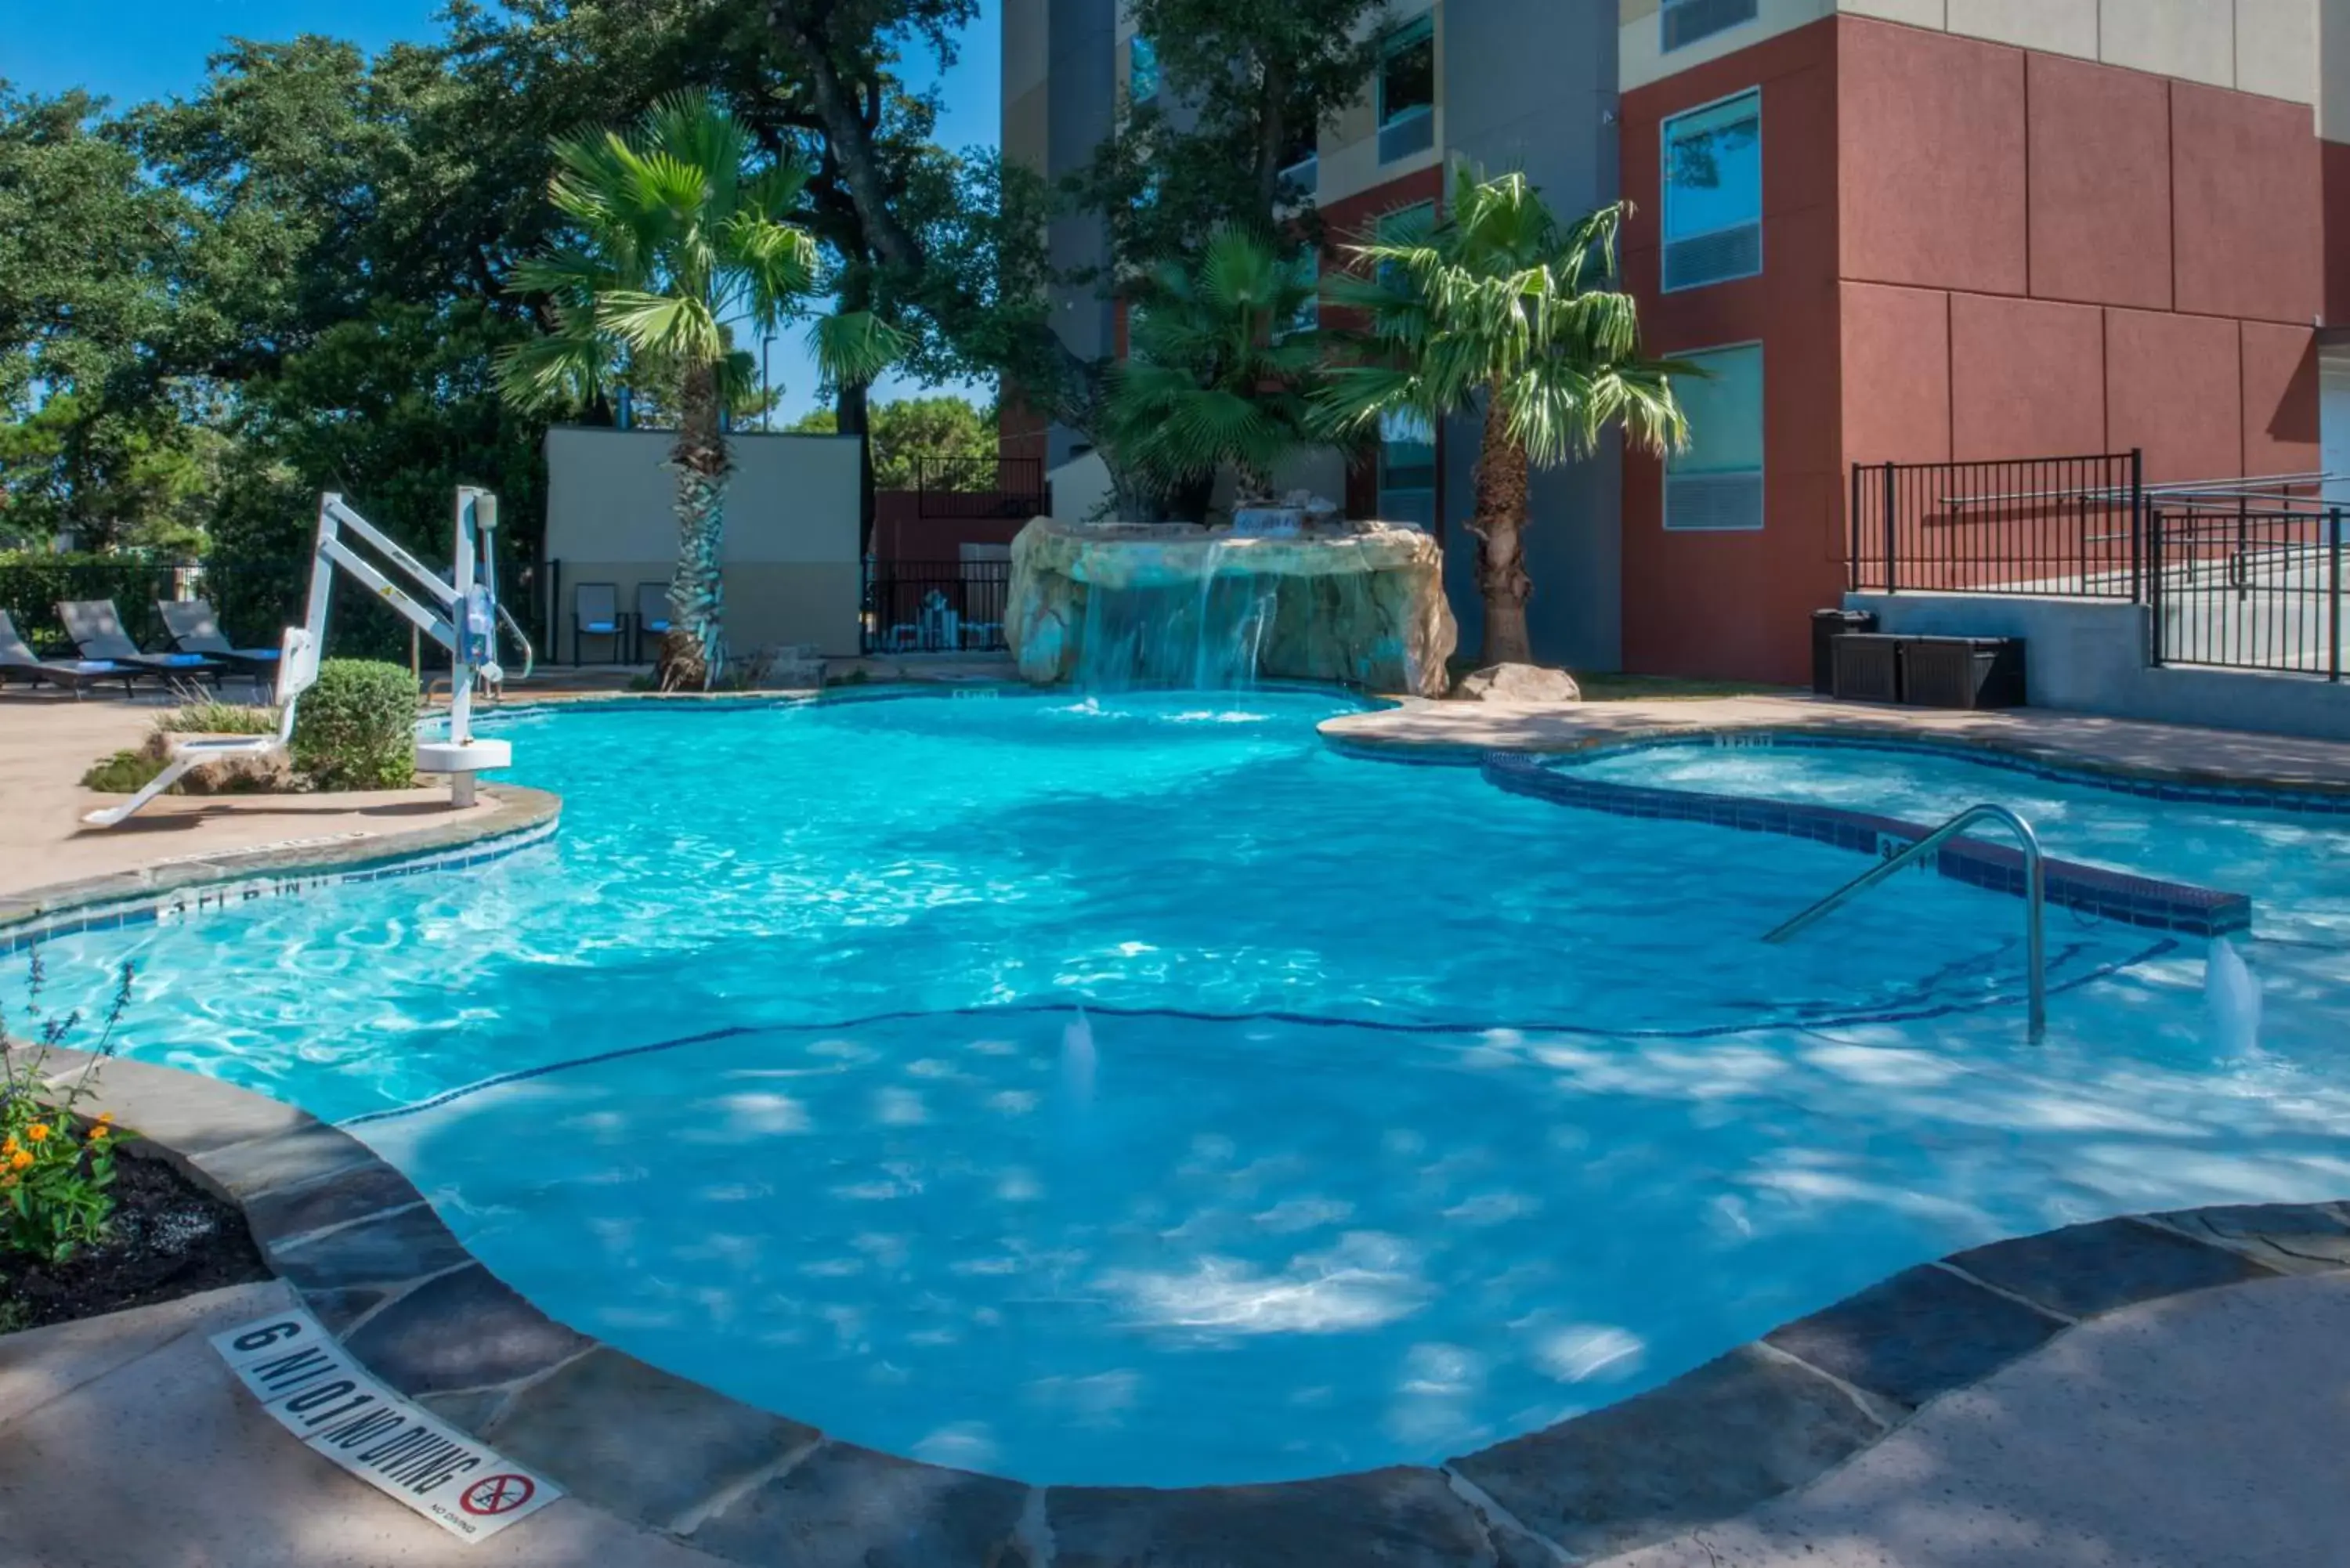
171, 1239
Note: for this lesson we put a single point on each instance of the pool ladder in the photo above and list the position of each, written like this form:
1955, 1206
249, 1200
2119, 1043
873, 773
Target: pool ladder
2035, 895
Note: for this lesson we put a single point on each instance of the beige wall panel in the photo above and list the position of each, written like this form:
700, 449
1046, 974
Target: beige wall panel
2192, 39
2051, 26
2277, 48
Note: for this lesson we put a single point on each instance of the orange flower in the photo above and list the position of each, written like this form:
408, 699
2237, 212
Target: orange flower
20, 1160
38, 1132
8, 1145
105, 1118
98, 1132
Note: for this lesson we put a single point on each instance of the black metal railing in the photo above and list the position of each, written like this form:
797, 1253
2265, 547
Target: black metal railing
979, 486
2255, 585
2055, 525
2239, 573
935, 607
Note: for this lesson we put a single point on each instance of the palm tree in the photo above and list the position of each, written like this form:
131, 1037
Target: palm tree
1217, 372
1502, 310
680, 230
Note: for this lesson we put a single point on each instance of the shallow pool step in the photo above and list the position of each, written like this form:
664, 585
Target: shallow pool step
2148, 901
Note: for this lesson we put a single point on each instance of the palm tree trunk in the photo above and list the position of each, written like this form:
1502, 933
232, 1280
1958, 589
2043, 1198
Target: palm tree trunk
1498, 519
692, 651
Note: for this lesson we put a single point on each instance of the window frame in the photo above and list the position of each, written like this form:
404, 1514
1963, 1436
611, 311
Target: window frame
1762, 468
1665, 236
1398, 39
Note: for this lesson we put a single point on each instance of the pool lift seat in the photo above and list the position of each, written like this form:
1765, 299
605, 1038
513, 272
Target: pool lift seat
463, 617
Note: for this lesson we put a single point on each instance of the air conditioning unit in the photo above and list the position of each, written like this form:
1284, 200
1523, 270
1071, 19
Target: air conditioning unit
1712, 502
1686, 21
1713, 258
1416, 132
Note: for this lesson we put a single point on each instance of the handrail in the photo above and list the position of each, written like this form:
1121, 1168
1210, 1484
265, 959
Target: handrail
2035, 895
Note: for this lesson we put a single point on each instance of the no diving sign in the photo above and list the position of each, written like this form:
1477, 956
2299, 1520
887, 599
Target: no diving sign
319, 1393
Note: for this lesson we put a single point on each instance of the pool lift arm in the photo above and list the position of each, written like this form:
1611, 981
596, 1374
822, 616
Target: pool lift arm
463, 617
463, 620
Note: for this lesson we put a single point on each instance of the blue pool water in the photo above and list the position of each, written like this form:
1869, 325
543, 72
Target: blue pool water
1144, 1094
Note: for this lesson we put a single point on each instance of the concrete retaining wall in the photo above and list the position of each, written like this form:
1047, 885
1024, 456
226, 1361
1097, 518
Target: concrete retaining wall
2090, 656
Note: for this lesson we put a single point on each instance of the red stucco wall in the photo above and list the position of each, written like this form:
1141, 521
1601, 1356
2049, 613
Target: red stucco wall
2027, 375
1930, 158
2099, 177
1702, 604
1973, 252
2248, 219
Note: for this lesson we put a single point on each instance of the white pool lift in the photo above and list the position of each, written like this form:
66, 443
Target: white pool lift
462, 617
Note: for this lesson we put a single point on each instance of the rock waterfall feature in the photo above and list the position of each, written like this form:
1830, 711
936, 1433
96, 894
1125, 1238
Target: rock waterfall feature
1125, 605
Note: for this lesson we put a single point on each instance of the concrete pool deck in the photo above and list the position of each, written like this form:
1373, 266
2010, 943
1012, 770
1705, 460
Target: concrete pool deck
2119, 745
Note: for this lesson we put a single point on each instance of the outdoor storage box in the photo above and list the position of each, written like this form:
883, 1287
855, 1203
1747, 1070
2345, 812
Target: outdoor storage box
1827, 625
1867, 666
1962, 671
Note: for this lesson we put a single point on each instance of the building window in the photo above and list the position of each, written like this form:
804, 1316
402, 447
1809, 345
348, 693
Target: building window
1713, 193
1405, 226
1717, 484
1406, 97
1141, 70
1306, 267
1408, 471
1684, 22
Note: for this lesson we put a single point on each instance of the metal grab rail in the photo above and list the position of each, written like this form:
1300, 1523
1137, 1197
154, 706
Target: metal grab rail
2035, 895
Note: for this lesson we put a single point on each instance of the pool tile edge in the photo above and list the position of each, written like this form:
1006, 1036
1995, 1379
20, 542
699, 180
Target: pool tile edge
518, 818
409, 1299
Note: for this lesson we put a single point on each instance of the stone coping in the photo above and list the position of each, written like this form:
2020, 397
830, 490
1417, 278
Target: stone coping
372, 1260
516, 817
2062, 746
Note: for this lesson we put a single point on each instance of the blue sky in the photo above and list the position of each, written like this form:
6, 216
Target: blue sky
133, 50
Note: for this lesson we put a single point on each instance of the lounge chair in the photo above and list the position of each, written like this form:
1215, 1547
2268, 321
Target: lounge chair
97, 632
193, 630
653, 614
18, 661
596, 612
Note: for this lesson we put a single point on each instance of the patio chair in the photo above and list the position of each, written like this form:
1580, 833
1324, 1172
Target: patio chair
97, 632
18, 661
653, 614
193, 630
596, 612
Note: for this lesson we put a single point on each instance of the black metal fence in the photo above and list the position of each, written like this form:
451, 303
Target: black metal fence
979, 486
935, 607
2059, 526
2253, 585
2240, 573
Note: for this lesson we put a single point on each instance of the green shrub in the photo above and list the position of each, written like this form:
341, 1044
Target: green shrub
124, 773
356, 729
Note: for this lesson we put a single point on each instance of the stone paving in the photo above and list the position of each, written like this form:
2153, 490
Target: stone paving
1859, 1390
2120, 745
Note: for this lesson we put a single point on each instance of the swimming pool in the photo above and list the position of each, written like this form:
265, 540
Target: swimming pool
1142, 1093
